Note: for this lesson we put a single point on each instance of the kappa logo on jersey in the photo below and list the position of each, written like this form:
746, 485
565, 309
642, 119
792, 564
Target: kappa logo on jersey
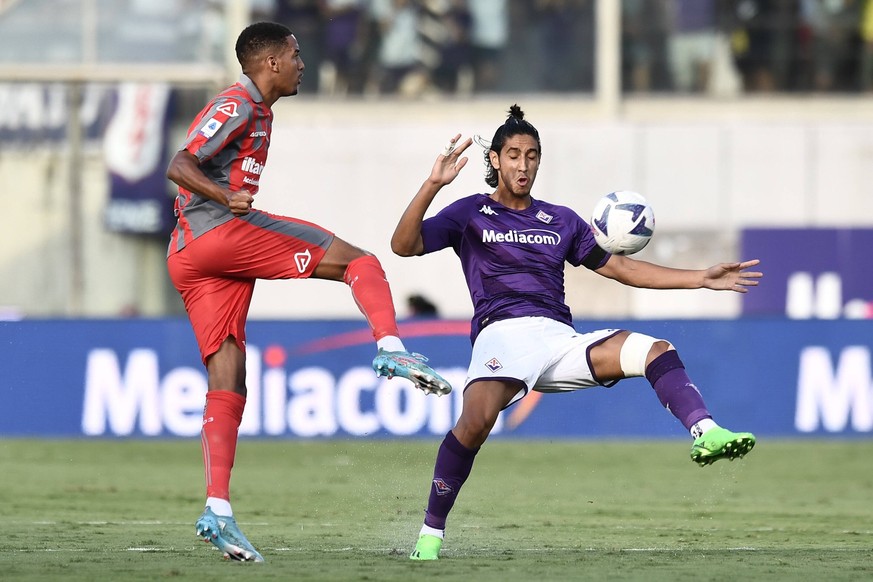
210, 127
493, 364
487, 210
543, 217
252, 166
442, 488
302, 260
228, 109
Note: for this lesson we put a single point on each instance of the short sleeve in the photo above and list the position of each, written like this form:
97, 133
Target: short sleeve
445, 229
223, 122
585, 251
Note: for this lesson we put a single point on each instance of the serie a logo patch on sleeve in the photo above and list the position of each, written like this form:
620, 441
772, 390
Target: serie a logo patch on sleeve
210, 127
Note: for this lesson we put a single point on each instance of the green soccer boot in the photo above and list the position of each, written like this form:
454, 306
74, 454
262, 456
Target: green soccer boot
720, 443
427, 548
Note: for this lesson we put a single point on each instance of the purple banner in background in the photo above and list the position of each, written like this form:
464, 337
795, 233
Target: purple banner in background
135, 148
131, 119
811, 273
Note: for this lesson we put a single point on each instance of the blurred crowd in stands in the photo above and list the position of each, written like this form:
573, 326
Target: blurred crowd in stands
767, 45
412, 47
417, 47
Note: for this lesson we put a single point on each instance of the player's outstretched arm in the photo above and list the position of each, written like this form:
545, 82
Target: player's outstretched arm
184, 170
406, 240
645, 275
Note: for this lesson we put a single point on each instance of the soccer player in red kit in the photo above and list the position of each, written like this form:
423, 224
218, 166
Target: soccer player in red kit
222, 245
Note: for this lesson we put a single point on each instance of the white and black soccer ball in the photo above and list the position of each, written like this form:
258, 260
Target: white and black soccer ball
623, 222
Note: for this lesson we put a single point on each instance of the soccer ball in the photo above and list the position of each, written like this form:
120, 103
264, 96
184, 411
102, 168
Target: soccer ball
623, 222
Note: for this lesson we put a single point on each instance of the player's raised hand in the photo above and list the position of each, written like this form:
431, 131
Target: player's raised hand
732, 276
449, 163
239, 202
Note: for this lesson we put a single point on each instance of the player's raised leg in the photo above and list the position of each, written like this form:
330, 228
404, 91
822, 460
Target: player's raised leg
658, 361
364, 275
680, 396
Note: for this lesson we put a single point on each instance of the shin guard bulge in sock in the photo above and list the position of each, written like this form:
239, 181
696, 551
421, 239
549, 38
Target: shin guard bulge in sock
221, 419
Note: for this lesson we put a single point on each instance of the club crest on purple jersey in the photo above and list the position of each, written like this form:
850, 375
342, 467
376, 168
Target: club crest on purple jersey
544, 217
493, 364
442, 488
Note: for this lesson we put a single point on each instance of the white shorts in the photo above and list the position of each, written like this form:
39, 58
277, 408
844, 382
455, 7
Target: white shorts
542, 354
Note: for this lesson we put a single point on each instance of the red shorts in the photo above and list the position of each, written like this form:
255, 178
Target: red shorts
216, 272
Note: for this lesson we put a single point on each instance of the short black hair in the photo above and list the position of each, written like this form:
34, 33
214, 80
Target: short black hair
258, 37
514, 125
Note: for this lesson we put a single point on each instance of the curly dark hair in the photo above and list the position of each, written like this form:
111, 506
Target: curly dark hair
514, 125
258, 37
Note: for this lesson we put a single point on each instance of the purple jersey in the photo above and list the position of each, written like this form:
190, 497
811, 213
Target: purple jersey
513, 260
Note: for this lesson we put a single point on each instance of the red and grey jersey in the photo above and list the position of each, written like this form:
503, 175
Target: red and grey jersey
230, 137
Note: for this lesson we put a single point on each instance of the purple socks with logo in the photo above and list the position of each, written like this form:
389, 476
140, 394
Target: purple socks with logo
454, 461
453, 464
675, 390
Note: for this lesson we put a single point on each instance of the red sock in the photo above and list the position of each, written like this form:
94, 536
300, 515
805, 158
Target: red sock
373, 295
221, 419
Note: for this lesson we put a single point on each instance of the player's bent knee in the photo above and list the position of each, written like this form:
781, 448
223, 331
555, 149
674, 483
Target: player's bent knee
635, 351
473, 434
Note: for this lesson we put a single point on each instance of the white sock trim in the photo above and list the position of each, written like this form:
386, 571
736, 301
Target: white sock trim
390, 343
219, 506
702, 427
426, 530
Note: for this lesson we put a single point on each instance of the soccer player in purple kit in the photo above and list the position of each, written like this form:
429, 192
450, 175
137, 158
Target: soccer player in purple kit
222, 245
512, 249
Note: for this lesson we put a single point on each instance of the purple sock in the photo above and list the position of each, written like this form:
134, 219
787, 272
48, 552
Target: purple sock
453, 464
675, 390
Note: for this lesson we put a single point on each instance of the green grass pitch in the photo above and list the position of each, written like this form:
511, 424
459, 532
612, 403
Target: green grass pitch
350, 510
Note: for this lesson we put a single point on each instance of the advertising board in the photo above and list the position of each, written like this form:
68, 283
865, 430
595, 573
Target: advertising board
312, 379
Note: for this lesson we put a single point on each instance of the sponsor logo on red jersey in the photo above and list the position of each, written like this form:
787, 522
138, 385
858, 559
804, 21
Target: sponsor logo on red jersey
228, 109
252, 166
